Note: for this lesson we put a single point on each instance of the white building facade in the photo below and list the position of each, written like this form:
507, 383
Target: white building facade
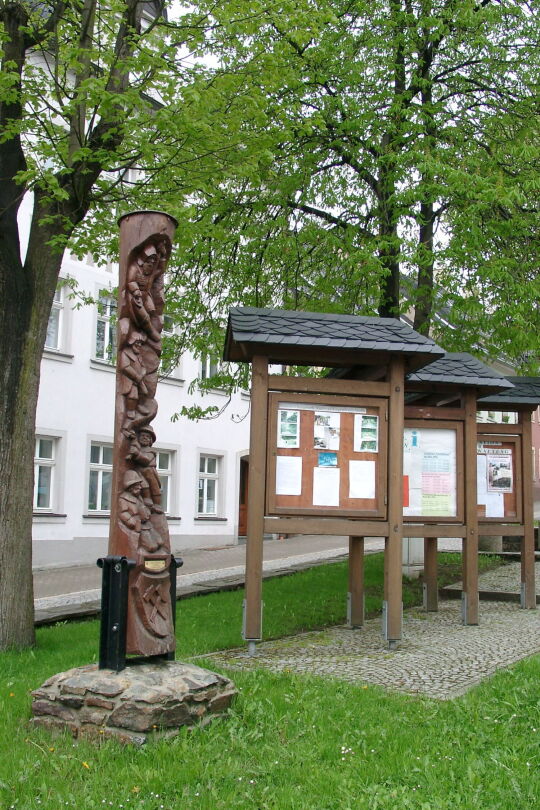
200, 464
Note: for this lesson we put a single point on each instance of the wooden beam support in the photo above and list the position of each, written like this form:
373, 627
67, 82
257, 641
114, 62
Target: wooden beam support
392, 617
252, 629
470, 542
355, 613
431, 593
528, 585
335, 526
435, 530
327, 385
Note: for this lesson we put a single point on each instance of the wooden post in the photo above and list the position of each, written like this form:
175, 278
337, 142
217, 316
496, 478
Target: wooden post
528, 585
431, 593
392, 609
356, 582
469, 594
252, 630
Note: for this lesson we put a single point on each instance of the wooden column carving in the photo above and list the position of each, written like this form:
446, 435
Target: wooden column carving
138, 528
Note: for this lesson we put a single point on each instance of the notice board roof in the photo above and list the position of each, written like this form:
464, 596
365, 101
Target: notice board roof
323, 339
459, 369
525, 393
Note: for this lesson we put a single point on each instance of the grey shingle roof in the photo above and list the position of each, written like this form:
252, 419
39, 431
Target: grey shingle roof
526, 392
277, 333
463, 370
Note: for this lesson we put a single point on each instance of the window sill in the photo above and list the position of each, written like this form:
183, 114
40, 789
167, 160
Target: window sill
55, 354
101, 516
48, 517
103, 365
210, 519
171, 381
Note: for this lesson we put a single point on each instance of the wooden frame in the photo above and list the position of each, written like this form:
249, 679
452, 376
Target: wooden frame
513, 498
302, 504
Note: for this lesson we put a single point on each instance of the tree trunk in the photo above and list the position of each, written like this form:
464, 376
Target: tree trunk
26, 294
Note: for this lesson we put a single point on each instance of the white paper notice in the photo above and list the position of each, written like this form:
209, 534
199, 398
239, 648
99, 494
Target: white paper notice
325, 486
361, 479
288, 475
493, 501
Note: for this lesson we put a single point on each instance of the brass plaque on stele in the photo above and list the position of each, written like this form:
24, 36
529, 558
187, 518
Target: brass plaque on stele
155, 565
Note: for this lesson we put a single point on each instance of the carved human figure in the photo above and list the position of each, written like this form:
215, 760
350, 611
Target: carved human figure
140, 405
139, 313
144, 457
134, 514
145, 269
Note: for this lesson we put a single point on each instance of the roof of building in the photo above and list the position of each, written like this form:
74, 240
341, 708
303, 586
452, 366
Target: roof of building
461, 369
525, 393
323, 339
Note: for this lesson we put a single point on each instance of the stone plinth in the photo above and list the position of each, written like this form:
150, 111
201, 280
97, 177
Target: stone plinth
143, 701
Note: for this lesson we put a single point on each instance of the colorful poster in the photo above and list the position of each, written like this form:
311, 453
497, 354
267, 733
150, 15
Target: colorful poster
327, 459
288, 428
326, 430
429, 468
366, 433
288, 475
325, 486
361, 479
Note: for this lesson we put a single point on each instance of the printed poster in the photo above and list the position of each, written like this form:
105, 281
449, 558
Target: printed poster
499, 472
366, 433
326, 430
429, 469
288, 428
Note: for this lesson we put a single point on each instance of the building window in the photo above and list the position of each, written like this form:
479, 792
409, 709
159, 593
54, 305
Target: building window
209, 366
100, 482
54, 326
164, 471
106, 330
208, 490
44, 463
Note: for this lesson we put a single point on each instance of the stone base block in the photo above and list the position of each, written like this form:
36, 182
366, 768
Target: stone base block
144, 701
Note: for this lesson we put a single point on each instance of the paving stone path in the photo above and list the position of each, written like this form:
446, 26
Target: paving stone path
438, 657
505, 579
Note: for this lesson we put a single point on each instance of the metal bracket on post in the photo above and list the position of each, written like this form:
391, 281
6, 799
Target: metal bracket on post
114, 599
463, 607
522, 602
349, 609
174, 565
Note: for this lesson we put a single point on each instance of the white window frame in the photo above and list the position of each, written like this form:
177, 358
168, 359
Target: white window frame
204, 476
57, 312
100, 468
108, 306
45, 463
210, 366
167, 475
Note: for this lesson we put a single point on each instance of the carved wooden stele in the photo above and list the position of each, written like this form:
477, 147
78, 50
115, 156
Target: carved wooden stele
138, 528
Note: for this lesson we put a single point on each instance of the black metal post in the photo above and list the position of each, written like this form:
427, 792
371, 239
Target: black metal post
174, 565
114, 599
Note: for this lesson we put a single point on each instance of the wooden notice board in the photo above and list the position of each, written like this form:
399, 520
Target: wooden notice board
326, 455
433, 472
499, 478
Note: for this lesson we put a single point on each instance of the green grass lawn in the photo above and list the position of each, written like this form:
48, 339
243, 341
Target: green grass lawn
289, 741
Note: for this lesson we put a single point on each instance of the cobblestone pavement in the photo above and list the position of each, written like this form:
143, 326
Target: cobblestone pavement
505, 579
438, 657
